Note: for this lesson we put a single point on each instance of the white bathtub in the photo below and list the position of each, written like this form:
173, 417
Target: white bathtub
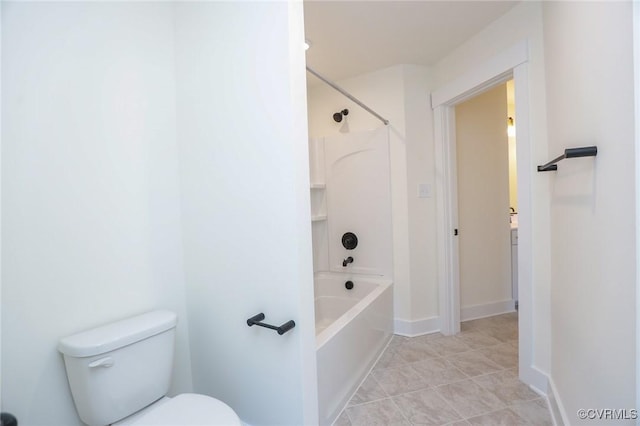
352, 329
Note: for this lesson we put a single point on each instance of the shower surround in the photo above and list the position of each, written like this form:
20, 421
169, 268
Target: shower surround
351, 199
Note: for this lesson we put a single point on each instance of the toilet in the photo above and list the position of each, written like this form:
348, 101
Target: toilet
119, 374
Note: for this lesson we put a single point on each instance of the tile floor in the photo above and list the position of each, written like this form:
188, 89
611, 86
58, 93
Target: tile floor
467, 379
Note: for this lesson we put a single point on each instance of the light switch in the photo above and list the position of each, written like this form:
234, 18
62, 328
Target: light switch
424, 190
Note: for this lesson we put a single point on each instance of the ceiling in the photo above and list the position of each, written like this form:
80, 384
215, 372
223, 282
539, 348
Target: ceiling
350, 38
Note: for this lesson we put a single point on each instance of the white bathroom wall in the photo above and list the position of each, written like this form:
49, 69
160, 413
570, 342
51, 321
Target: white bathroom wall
589, 58
483, 203
523, 22
401, 95
1, 380
245, 195
90, 201
421, 207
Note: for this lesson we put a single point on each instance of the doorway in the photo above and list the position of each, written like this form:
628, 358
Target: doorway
485, 161
509, 64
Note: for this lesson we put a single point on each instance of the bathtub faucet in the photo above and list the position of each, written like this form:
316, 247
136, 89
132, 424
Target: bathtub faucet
347, 261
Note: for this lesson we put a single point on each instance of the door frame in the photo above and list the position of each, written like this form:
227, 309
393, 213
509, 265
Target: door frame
510, 63
636, 61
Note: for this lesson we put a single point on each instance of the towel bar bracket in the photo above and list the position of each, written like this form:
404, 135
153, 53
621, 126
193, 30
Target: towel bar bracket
585, 151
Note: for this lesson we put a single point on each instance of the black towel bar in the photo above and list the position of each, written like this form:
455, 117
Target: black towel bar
256, 320
585, 151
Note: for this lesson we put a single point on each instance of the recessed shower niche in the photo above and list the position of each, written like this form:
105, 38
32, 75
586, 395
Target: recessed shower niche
350, 192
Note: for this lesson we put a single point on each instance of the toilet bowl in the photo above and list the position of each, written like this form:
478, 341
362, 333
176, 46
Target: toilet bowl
187, 409
119, 374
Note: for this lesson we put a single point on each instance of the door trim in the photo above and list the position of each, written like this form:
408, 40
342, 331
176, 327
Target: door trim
636, 60
511, 63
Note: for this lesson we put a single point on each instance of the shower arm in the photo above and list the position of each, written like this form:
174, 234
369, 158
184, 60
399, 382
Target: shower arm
348, 95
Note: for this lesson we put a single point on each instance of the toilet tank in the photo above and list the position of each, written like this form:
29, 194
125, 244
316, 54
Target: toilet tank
119, 368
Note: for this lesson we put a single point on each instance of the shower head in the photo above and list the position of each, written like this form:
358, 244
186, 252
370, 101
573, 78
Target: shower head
337, 117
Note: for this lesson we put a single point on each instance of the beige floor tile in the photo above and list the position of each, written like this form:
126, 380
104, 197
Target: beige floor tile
469, 399
507, 387
505, 355
378, 413
504, 417
502, 332
342, 420
415, 376
397, 340
535, 412
459, 423
399, 380
428, 338
476, 324
426, 407
438, 371
415, 351
509, 319
390, 359
449, 345
368, 391
475, 339
473, 364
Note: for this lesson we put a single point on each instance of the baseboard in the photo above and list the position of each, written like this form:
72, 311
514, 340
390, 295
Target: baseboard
536, 379
417, 327
542, 384
432, 324
487, 310
556, 407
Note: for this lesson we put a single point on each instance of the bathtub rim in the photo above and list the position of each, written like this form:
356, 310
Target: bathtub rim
381, 282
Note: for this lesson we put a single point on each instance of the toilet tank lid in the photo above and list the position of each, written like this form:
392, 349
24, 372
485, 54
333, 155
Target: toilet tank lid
117, 334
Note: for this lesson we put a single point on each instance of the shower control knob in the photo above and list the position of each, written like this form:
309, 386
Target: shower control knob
349, 241
7, 419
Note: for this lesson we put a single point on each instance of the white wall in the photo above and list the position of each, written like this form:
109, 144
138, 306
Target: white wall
483, 200
90, 209
523, 22
589, 58
421, 210
1, 380
401, 95
245, 196
636, 62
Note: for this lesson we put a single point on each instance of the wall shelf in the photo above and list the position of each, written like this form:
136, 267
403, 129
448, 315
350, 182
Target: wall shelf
318, 201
